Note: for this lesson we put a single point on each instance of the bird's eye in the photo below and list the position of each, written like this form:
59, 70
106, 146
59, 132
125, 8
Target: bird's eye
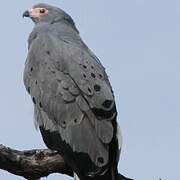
42, 11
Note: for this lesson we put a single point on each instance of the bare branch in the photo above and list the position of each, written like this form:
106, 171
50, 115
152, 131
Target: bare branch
34, 164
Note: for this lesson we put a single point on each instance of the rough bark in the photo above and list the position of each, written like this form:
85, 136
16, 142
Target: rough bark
34, 164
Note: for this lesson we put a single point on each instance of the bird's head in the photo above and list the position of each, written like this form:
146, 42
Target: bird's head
47, 13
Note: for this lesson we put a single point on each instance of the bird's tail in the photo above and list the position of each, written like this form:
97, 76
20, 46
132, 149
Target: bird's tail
111, 174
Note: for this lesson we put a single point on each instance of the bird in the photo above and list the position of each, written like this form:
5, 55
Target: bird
74, 104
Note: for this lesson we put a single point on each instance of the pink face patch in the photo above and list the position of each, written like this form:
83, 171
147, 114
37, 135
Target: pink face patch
38, 13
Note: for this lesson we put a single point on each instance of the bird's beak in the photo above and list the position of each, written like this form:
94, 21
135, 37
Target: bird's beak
26, 14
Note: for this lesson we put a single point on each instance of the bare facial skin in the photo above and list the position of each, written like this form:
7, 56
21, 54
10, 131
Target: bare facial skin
38, 13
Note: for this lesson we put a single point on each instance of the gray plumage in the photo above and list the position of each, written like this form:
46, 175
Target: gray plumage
69, 87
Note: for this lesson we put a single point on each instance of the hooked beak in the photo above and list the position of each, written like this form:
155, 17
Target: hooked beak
26, 14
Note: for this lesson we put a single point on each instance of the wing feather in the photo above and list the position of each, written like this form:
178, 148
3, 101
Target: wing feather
69, 90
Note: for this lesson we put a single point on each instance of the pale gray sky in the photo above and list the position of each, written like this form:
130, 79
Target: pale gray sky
138, 42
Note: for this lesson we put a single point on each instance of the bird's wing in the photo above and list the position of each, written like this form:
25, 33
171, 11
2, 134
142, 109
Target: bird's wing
72, 96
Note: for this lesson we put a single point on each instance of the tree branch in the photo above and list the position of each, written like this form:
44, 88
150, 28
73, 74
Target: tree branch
34, 164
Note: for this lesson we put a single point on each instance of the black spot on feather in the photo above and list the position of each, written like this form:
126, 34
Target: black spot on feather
29, 90
100, 76
107, 103
34, 100
31, 69
100, 160
93, 75
84, 66
40, 105
48, 52
84, 75
97, 88
89, 90
64, 124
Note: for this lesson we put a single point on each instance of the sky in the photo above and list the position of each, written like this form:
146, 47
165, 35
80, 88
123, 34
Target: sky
138, 42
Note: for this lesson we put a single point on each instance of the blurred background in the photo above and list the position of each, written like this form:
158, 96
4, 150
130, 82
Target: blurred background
138, 42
